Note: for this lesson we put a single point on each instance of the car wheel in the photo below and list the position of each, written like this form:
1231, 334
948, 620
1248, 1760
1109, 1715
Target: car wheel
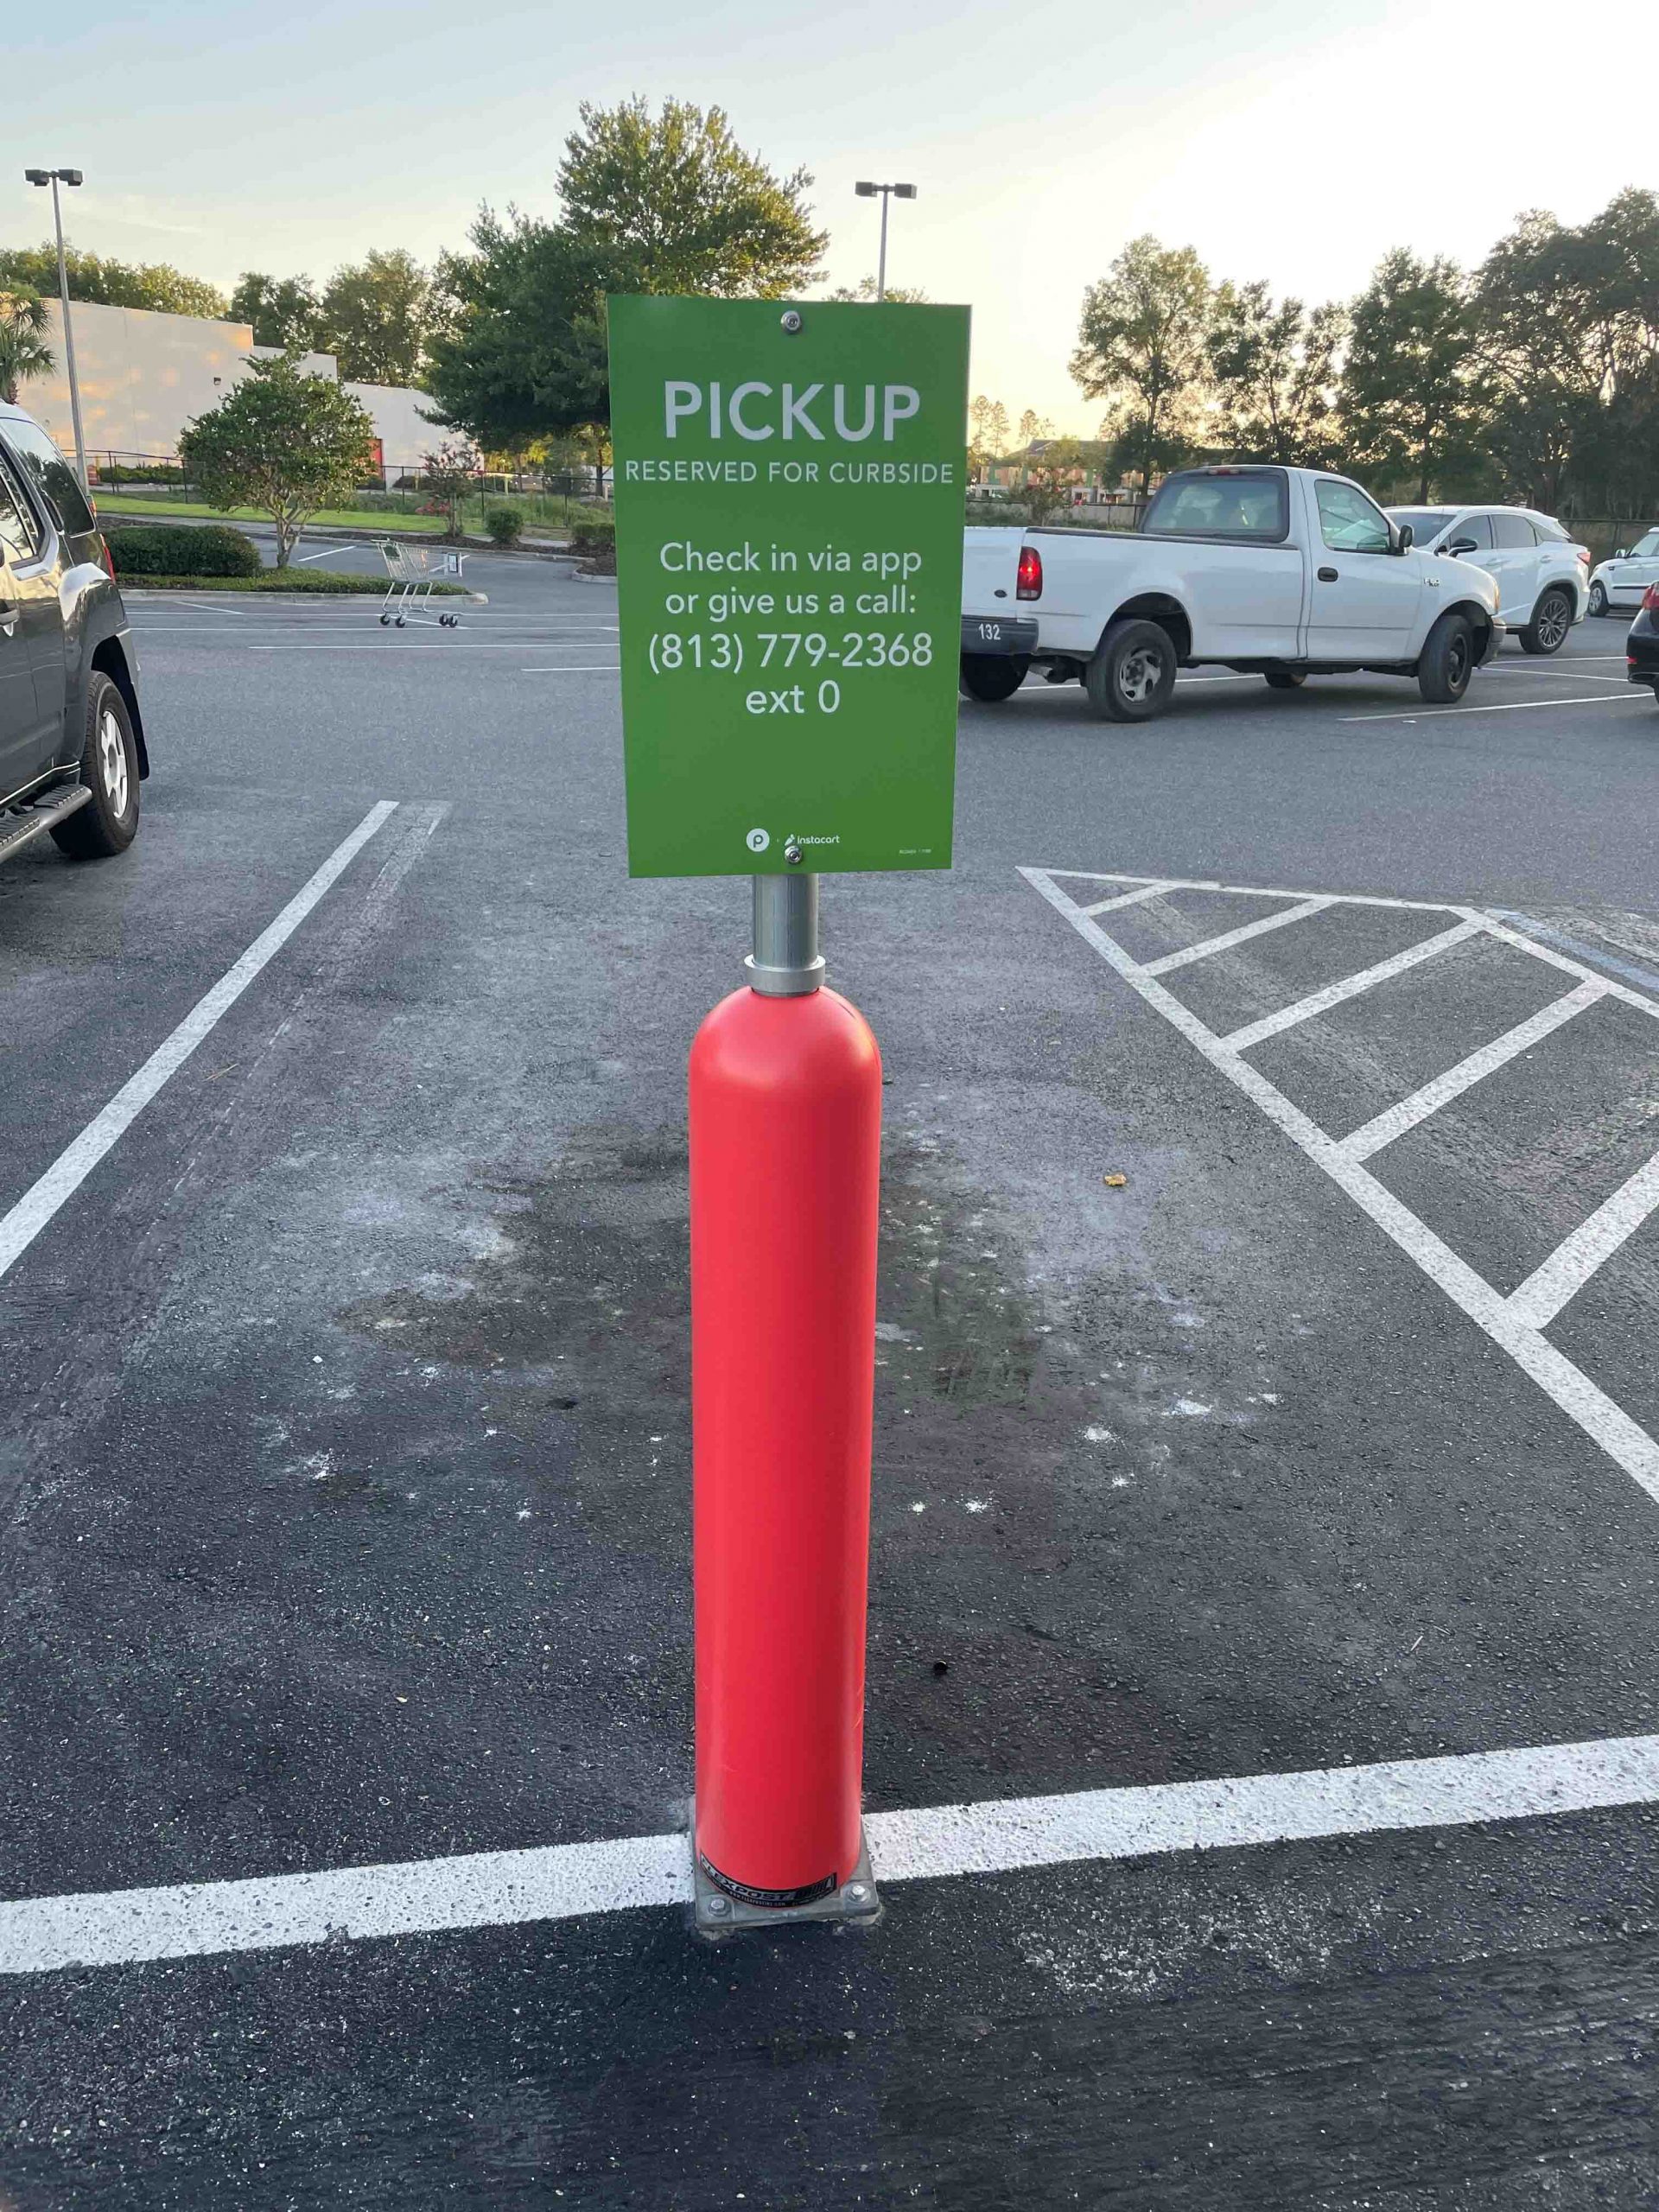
1598, 599
109, 767
991, 676
1132, 676
1551, 620
1285, 679
1447, 662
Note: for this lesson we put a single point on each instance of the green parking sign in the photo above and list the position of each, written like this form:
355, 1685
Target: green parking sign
789, 517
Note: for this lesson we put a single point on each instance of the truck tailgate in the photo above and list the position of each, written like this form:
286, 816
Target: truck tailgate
990, 570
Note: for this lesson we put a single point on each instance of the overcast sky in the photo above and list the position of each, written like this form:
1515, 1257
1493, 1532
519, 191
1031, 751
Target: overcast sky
1283, 140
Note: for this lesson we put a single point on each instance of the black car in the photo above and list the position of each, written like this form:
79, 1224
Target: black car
1642, 646
72, 739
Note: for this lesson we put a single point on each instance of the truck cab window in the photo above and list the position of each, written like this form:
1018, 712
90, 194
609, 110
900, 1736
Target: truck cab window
1348, 522
1221, 503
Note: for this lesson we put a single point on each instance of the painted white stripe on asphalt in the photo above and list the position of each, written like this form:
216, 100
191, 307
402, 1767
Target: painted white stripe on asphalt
1394, 1121
1537, 1301
1563, 675
1606, 1424
1319, 1002
23, 1223
497, 1889
1250, 890
1243, 935
1128, 898
1508, 707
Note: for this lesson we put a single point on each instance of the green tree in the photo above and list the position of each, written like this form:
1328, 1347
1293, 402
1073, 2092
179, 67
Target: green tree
987, 431
1413, 395
282, 440
101, 283
378, 317
654, 204
450, 472
523, 354
1273, 367
283, 311
1141, 345
1567, 326
675, 205
23, 350
1033, 426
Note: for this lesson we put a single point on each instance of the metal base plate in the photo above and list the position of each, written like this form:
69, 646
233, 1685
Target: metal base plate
716, 1914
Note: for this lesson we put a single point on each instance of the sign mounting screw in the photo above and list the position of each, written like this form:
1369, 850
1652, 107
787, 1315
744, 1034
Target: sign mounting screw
790, 319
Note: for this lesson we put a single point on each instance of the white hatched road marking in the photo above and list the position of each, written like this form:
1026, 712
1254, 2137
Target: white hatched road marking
1229, 937
1575, 1259
1128, 898
494, 1889
1583, 1402
1350, 987
1394, 1121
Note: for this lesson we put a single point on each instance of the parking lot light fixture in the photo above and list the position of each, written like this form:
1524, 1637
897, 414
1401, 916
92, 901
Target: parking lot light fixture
866, 190
54, 178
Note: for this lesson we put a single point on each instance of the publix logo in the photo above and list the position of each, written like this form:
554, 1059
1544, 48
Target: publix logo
758, 840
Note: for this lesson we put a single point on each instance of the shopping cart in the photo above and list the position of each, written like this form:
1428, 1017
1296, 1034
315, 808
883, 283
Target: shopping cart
411, 571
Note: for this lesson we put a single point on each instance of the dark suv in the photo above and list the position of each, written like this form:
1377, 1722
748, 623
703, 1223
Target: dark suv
72, 739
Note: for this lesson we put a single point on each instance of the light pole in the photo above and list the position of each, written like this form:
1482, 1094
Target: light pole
54, 178
887, 191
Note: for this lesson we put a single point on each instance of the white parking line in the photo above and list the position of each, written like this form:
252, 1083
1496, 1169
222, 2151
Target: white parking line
1316, 1002
29, 1216
1394, 1121
1570, 1266
1507, 706
1129, 898
499, 1889
1225, 942
1584, 1402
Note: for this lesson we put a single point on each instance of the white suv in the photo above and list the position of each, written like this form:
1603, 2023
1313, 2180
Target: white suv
1619, 582
1542, 575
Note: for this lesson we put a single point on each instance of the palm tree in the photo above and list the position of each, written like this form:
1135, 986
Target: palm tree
23, 352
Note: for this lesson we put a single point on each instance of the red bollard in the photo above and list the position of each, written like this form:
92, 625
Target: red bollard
785, 1122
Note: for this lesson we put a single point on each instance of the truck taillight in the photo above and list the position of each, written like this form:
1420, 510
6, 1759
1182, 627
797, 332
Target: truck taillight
1030, 585
108, 558
1651, 600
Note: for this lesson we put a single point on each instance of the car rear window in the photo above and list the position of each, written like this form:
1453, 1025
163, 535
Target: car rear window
52, 474
1249, 502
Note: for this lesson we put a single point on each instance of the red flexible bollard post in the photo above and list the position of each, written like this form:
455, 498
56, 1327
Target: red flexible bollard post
785, 1127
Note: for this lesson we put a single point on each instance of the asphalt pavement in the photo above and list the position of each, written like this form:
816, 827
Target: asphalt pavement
1279, 1521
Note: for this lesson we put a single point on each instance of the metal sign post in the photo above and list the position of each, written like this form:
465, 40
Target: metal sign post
789, 493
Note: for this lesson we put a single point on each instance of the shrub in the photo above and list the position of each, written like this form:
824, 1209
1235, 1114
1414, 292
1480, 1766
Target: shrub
506, 525
592, 533
159, 549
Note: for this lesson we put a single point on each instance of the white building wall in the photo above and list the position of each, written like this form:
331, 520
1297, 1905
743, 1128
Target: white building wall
143, 377
399, 416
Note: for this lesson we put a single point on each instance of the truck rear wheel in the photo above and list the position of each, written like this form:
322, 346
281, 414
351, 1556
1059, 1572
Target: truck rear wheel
991, 676
1286, 679
1132, 676
1447, 661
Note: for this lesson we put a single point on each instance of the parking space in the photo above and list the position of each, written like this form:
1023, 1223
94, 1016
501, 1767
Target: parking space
1261, 1751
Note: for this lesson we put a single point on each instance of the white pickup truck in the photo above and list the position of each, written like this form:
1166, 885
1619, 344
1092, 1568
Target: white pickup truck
1284, 573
